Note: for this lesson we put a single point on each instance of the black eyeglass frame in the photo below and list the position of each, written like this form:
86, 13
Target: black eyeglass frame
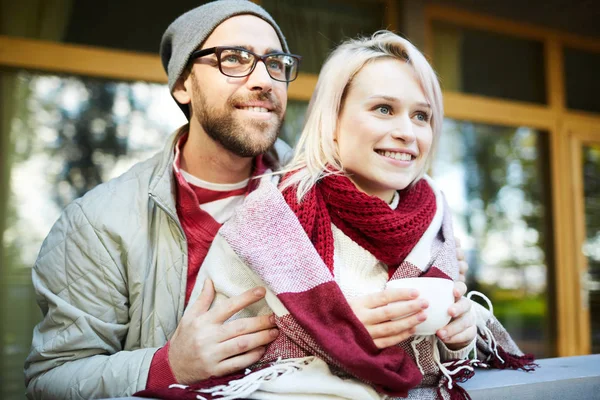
219, 49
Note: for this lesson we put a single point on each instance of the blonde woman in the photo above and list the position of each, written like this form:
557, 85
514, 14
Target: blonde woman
354, 210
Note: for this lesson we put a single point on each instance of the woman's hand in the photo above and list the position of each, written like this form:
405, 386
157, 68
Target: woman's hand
462, 329
463, 267
377, 310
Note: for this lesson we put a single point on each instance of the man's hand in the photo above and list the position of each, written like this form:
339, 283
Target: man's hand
377, 310
203, 345
462, 329
463, 267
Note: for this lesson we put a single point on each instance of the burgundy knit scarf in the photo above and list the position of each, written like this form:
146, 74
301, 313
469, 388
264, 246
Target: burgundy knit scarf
388, 234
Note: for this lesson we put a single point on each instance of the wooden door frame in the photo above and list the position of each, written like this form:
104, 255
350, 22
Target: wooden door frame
580, 132
558, 121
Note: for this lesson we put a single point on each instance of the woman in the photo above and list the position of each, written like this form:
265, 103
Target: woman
353, 210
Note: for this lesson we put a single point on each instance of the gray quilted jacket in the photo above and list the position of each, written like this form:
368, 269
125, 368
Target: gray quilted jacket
110, 280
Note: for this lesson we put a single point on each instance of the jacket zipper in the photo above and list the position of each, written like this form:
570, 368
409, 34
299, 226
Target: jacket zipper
169, 213
182, 240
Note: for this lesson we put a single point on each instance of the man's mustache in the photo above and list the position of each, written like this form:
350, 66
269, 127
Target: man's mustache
267, 97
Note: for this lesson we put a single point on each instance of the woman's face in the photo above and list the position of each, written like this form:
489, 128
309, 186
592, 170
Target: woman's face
384, 130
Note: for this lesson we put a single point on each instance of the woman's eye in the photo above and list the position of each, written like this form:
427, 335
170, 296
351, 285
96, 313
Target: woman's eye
385, 110
423, 117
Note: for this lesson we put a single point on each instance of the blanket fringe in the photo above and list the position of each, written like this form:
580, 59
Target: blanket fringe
504, 360
500, 358
249, 384
413, 344
458, 393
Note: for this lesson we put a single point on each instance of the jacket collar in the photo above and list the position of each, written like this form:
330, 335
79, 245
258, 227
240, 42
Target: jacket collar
163, 186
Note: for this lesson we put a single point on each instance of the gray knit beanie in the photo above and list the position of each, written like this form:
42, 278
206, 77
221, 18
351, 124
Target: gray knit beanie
190, 30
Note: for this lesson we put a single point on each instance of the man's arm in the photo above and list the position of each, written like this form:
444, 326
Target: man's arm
77, 348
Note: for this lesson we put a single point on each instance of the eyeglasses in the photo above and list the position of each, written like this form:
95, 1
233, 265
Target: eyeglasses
236, 62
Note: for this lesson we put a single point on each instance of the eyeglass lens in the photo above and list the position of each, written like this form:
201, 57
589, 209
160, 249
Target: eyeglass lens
237, 63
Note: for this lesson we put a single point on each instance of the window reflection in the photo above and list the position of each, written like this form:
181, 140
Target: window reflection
495, 180
591, 247
314, 27
581, 79
490, 64
67, 135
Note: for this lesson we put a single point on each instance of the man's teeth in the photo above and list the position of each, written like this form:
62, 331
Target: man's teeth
395, 155
255, 109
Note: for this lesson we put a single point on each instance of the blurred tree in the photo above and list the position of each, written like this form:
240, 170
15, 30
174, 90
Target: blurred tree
591, 180
507, 215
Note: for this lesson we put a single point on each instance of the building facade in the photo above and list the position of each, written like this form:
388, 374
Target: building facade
83, 97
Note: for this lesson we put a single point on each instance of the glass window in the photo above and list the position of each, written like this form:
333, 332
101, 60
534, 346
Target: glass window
582, 80
66, 135
591, 247
489, 64
314, 27
122, 24
496, 182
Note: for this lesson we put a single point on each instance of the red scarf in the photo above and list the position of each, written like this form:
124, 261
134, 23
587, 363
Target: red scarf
388, 234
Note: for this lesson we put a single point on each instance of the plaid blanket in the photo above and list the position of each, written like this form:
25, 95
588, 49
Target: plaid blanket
323, 350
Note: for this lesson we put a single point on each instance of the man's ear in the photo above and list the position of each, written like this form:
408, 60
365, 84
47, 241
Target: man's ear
182, 89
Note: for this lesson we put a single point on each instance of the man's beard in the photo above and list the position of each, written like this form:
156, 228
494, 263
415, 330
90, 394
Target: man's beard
247, 139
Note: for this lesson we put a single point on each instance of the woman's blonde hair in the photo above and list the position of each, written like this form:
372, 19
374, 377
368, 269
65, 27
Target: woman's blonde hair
316, 153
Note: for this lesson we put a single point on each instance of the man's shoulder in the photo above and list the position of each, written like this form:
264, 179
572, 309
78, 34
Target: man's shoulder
135, 180
121, 199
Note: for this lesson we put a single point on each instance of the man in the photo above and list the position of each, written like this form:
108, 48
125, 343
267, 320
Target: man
116, 271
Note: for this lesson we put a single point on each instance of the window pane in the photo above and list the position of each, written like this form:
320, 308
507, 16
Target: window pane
121, 24
67, 134
313, 27
489, 64
496, 181
582, 80
591, 247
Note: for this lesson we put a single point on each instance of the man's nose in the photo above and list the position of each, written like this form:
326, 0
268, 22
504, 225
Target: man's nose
260, 79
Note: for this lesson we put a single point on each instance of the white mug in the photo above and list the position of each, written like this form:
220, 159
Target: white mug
438, 293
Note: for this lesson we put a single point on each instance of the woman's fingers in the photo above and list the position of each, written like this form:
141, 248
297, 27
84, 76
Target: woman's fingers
396, 310
389, 341
397, 327
463, 267
462, 328
387, 296
462, 306
459, 289
459, 333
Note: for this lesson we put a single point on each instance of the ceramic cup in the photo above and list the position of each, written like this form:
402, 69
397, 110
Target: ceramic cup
438, 292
